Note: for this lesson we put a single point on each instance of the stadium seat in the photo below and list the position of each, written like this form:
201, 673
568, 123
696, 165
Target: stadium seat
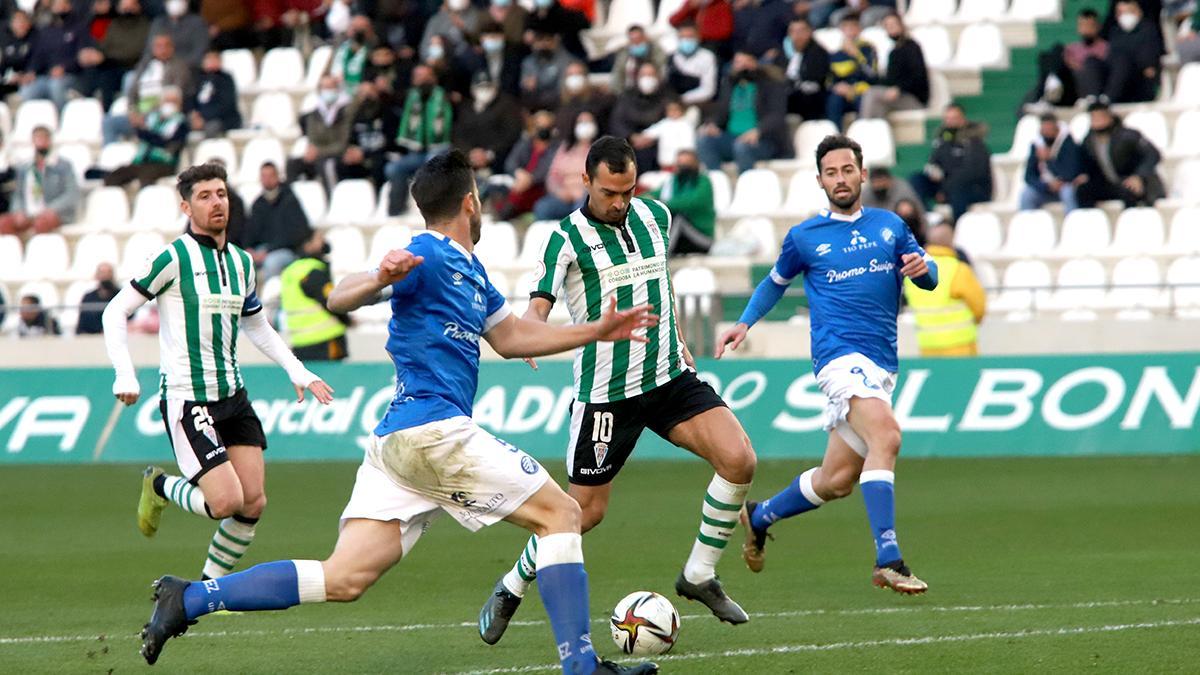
1187, 87
32, 114
115, 155
981, 45
625, 13
318, 65
311, 195
875, 137
930, 11
1137, 232
1184, 275
1152, 124
694, 287
80, 122
972, 11
808, 136
46, 257
1080, 125
79, 155
11, 254
1185, 142
500, 281
5, 120
805, 196
1034, 10
759, 230
139, 248
45, 291
119, 106
92, 249
156, 207
16, 154
107, 208
935, 44
939, 92
255, 154
986, 273
722, 193
1081, 285
652, 180
497, 245
382, 205
1137, 284
883, 44
978, 233
1185, 231
757, 192
662, 20
282, 68
1030, 235
1027, 285
248, 192
216, 148
535, 238
352, 203
274, 112
68, 318
829, 38
388, 238
1084, 232
347, 250
1023, 136
239, 63
1186, 183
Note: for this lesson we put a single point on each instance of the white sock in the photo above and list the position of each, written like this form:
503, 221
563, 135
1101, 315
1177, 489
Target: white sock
229, 544
186, 496
719, 515
310, 580
560, 548
524, 571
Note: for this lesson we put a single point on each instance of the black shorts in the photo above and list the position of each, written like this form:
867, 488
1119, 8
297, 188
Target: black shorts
603, 435
200, 431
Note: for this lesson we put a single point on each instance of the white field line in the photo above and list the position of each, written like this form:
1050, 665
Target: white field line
403, 628
866, 644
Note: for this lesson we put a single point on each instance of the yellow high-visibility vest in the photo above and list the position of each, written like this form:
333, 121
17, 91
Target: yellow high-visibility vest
943, 322
308, 322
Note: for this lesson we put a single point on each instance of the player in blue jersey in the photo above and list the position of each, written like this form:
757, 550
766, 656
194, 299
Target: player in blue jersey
427, 455
854, 261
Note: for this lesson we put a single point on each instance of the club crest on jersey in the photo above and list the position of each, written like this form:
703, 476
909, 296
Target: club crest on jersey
601, 450
823, 249
887, 235
858, 242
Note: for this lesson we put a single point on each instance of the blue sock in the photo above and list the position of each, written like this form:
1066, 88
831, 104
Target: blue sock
274, 585
562, 583
879, 494
794, 499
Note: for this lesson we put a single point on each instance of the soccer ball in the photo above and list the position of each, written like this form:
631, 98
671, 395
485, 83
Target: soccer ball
645, 623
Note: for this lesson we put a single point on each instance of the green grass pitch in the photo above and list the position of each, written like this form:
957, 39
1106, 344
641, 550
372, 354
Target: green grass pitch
1046, 565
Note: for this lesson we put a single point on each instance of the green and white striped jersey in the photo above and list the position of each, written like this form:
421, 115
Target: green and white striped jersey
202, 292
593, 262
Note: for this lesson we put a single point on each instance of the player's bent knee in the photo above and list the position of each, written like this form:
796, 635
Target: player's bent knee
591, 516
736, 464
253, 508
567, 516
224, 506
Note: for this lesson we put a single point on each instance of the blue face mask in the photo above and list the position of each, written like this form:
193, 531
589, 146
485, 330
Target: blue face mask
789, 50
639, 51
434, 52
688, 46
543, 4
502, 3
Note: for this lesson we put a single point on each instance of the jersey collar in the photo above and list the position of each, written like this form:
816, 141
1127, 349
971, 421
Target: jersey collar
826, 213
453, 244
204, 239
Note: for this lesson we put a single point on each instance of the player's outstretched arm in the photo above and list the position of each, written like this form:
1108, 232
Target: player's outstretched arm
114, 319
364, 288
538, 310
517, 338
768, 292
260, 332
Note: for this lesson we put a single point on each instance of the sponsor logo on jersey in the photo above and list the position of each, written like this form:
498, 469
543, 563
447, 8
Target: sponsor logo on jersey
473, 506
221, 304
539, 270
601, 450
529, 465
596, 247
585, 471
858, 242
457, 277
823, 249
636, 272
477, 303
834, 276
456, 332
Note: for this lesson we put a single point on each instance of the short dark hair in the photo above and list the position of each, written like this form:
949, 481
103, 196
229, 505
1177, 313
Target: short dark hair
839, 142
1048, 117
440, 185
43, 128
851, 17
614, 152
198, 173
957, 106
801, 19
1088, 13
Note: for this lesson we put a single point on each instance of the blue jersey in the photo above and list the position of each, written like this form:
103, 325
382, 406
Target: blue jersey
439, 311
851, 267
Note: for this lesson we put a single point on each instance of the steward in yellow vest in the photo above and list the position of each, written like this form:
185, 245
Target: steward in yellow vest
315, 333
947, 316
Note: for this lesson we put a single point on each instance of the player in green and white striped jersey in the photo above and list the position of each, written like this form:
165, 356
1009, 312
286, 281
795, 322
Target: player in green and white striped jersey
615, 246
205, 288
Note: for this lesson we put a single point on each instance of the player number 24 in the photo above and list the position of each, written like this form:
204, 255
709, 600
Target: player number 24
203, 419
602, 426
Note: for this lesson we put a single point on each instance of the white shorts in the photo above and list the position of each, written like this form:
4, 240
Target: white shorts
450, 465
844, 378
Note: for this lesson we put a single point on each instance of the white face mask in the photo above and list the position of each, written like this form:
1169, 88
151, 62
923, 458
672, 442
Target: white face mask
493, 45
168, 109
585, 131
1128, 21
647, 84
177, 7
328, 96
574, 82
458, 5
484, 95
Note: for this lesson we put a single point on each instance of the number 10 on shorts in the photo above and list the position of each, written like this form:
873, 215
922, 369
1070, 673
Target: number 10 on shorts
602, 427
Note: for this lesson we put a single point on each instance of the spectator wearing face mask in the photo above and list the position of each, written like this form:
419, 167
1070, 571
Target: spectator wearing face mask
484, 128
692, 69
805, 65
215, 109
92, 305
639, 50
637, 108
672, 134
748, 123
1054, 167
905, 85
549, 17
426, 120
713, 20
188, 31
1119, 162
371, 131
350, 58
564, 181
580, 95
854, 68
162, 134
277, 227
1086, 58
105, 61
959, 171
53, 64
688, 195
528, 164
160, 69
885, 191
46, 194
497, 58
35, 321
16, 39
1134, 49
456, 22
542, 72
327, 128
511, 18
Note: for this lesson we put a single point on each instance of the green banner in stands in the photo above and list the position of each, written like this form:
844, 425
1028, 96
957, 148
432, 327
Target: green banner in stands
1043, 405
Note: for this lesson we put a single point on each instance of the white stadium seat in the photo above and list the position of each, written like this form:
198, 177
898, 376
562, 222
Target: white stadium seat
382, 205
805, 196
986, 273
5, 120
759, 230
1023, 136
935, 44
1081, 285
33, 114
978, 233
499, 280
875, 137
80, 122
808, 136
239, 63
1138, 231
1187, 87
939, 92
757, 192
275, 112
11, 254
1185, 231
1030, 234
347, 250
155, 207
1032, 10
981, 10
981, 45
257, 152
45, 291
68, 318
722, 192
1137, 284
116, 155
318, 65
1185, 142
387, 238
625, 13
829, 38
282, 68
92, 249
1084, 232
46, 257
311, 195
1080, 125
1185, 273
1186, 183
139, 248
1152, 124
216, 148
78, 154
930, 11
535, 238
1027, 285
107, 208
662, 20
497, 245
352, 203
694, 286
883, 44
